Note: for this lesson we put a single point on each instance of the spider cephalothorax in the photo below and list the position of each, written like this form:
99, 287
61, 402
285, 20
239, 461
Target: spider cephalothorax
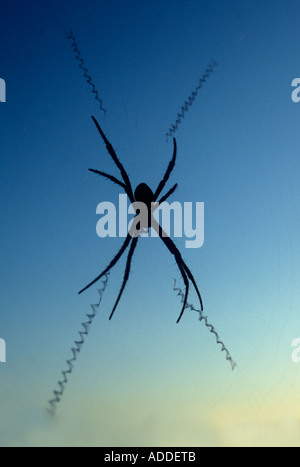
144, 194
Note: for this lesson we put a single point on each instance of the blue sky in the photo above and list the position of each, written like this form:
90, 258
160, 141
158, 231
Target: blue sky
142, 379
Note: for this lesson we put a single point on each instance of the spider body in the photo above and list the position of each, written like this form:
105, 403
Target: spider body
144, 194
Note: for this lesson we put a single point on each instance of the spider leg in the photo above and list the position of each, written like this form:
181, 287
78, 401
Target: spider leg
182, 267
168, 172
126, 275
191, 277
114, 156
110, 177
111, 264
166, 196
187, 287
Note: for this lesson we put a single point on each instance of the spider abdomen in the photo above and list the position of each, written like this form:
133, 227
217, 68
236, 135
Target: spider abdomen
144, 194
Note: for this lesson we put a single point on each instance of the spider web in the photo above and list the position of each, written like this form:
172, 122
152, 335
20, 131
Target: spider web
88, 78
86, 325
58, 394
189, 102
211, 328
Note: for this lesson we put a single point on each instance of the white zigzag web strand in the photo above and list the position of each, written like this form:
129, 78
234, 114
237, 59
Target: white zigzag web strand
58, 394
75, 351
88, 78
209, 326
191, 98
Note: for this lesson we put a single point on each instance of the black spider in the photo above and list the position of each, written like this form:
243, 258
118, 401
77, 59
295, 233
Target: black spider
145, 195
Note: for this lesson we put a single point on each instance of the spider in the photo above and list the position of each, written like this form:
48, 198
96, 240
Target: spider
144, 194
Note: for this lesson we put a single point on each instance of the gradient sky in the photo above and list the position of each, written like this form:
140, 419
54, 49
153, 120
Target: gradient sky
140, 378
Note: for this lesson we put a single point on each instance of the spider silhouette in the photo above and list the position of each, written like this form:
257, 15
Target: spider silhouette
145, 195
